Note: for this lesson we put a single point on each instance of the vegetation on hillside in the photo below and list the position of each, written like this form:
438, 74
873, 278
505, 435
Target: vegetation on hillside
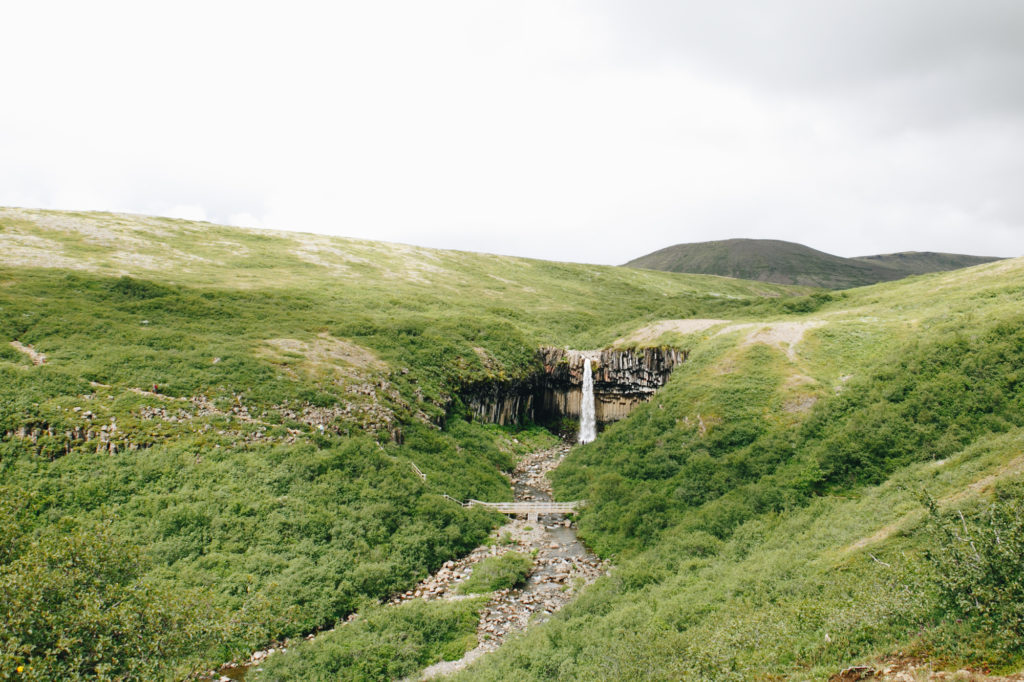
382, 643
765, 513
241, 421
978, 566
927, 400
501, 572
217, 449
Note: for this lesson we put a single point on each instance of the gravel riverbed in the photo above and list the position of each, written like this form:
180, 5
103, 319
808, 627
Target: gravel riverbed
562, 566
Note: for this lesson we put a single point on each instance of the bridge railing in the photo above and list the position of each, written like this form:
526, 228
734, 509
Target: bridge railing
419, 473
523, 507
529, 507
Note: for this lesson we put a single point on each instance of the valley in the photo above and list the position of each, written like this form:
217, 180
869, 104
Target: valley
560, 567
214, 439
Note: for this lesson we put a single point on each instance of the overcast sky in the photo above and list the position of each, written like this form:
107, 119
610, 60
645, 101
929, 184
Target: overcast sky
590, 131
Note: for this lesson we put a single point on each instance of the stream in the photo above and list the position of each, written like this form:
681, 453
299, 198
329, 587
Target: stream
561, 568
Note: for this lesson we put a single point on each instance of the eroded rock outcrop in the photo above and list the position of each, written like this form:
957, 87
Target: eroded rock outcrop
622, 380
503, 401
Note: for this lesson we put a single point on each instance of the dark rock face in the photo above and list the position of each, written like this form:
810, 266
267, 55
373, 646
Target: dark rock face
503, 402
622, 380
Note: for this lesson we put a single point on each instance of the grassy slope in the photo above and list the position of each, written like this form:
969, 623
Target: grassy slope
222, 490
770, 260
749, 525
741, 522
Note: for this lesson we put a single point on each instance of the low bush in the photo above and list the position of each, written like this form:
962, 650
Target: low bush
498, 573
384, 643
74, 604
978, 564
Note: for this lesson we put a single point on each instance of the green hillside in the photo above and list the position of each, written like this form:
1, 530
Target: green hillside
922, 262
208, 432
770, 260
768, 511
168, 443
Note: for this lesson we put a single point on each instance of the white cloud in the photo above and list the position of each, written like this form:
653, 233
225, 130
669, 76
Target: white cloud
558, 130
187, 212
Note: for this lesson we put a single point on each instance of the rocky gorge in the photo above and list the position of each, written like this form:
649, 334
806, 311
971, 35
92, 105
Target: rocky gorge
623, 378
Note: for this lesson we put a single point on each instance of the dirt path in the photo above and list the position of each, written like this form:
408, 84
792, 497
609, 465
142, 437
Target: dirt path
910, 669
34, 355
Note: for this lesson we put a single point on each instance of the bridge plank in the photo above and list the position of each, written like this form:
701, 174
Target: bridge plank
530, 507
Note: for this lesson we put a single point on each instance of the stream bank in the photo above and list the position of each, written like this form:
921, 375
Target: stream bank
562, 566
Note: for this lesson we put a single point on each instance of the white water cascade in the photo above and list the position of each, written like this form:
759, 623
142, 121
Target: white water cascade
588, 420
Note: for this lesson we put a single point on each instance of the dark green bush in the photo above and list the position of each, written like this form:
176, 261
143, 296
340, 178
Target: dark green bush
978, 563
498, 573
384, 643
74, 605
807, 304
141, 289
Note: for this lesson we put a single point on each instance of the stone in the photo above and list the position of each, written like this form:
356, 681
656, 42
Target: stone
622, 380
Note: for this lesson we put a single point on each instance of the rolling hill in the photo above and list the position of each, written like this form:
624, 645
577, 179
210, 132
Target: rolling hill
207, 440
769, 260
922, 262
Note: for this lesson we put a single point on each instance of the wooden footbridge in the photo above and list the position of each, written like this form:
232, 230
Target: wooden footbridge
532, 510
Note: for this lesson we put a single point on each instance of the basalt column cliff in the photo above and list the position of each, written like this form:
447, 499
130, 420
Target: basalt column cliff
622, 380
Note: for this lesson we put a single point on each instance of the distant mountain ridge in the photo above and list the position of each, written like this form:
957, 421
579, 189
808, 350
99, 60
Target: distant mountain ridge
921, 262
782, 262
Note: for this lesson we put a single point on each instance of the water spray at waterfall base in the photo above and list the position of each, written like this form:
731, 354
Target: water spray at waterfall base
588, 420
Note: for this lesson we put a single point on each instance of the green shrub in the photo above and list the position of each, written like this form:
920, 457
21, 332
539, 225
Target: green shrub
384, 643
807, 304
498, 573
139, 289
74, 605
978, 564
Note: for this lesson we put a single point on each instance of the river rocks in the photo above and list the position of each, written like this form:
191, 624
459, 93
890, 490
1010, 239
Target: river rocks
445, 582
562, 566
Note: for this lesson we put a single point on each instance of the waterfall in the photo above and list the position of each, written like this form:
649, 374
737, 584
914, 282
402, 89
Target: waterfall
588, 421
